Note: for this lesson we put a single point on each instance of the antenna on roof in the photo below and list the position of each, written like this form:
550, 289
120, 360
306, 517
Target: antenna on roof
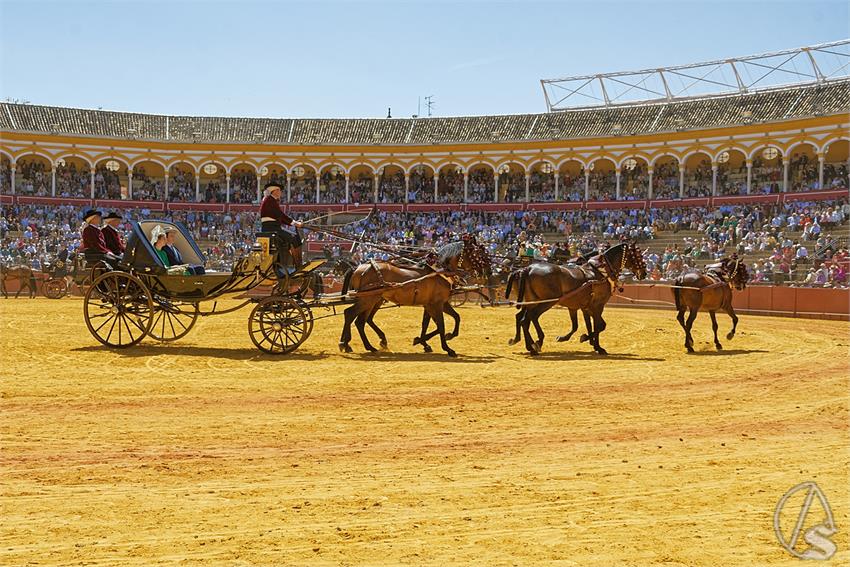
429, 104
389, 112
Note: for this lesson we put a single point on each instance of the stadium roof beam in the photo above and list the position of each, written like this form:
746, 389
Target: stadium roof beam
740, 75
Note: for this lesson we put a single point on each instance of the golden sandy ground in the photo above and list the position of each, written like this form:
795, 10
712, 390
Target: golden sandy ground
208, 452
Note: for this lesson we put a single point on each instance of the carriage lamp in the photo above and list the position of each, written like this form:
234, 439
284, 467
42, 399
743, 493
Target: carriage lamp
298, 171
113, 165
264, 171
630, 164
210, 169
547, 168
723, 157
770, 153
60, 162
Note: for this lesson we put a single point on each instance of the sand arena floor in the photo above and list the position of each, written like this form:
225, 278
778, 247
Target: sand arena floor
208, 452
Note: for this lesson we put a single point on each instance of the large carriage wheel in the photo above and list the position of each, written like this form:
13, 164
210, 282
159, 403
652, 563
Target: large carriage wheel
55, 288
278, 325
118, 309
308, 313
458, 299
172, 320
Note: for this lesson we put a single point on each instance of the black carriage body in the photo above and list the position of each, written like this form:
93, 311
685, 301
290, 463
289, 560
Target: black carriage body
146, 263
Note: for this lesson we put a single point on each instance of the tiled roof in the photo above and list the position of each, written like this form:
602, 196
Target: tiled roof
764, 106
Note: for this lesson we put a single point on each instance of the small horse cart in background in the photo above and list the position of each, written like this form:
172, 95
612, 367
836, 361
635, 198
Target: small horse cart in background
141, 298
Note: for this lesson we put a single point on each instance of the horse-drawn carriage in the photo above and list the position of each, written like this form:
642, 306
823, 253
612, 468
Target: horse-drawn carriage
142, 297
67, 270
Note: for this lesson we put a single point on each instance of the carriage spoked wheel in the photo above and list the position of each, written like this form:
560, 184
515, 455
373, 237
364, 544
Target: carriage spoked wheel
55, 288
97, 270
458, 299
172, 320
309, 317
118, 309
278, 325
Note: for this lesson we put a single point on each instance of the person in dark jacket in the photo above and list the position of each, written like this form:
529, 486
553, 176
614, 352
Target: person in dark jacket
273, 219
94, 246
111, 236
173, 253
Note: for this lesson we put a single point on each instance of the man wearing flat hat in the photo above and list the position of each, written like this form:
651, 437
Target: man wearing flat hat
273, 218
111, 236
94, 246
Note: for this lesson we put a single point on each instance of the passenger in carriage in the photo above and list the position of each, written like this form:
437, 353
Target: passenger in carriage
173, 254
94, 246
273, 218
111, 236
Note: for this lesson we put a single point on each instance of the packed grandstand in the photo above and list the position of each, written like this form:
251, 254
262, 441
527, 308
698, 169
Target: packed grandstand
761, 173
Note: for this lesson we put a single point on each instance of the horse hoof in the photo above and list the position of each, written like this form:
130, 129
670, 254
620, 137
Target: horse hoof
450, 336
602, 352
584, 339
690, 350
730, 336
539, 345
512, 342
417, 340
384, 345
562, 338
718, 346
344, 347
427, 347
451, 353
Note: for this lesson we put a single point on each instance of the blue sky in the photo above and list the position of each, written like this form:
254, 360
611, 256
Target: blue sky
354, 59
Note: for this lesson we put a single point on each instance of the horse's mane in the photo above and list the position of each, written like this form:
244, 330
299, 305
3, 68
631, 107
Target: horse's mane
449, 250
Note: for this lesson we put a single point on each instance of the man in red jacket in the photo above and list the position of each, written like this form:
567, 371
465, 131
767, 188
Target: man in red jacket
111, 236
94, 246
273, 218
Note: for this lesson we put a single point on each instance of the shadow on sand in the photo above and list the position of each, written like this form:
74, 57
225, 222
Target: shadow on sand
245, 353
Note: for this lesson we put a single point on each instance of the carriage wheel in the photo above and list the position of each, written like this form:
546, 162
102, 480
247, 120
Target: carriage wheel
309, 317
458, 299
55, 288
278, 325
172, 321
118, 309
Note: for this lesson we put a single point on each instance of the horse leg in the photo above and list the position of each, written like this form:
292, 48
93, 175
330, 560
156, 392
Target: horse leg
370, 320
424, 336
3, 287
437, 316
20, 288
689, 323
531, 314
519, 315
713, 316
680, 317
349, 315
731, 312
599, 325
588, 324
32, 287
360, 323
449, 310
574, 321
540, 334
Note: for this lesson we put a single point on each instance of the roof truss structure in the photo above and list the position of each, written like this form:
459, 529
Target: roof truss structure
801, 66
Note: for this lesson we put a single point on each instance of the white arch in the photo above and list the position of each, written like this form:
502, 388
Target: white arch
815, 148
762, 147
270, 162
828, 143
730, 149
657, 157
644, 158
548, 160
705, 152
307, 165
73, 155
133, 164
116, 158
565, 161
512, 161
423, 164
236, 163
8, 155
439, 167
196, 169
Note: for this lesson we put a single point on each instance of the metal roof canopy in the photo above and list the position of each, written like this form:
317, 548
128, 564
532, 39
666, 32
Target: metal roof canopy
805, 65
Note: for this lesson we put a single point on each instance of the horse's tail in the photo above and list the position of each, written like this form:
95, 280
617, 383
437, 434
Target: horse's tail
346, 280
510, 284
677, 284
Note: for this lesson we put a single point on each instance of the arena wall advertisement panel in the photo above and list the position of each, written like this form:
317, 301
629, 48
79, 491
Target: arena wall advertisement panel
673, 203
817, 195
783, 301
565, 206
746, 199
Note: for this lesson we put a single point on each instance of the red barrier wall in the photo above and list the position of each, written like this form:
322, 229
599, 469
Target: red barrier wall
815, 303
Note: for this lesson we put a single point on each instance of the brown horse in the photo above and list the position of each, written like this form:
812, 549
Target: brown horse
24, 274
709, 291
428, 284
589, 287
